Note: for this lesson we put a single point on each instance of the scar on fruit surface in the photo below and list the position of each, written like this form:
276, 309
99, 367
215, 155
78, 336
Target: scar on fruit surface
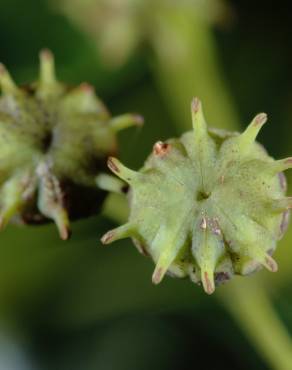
208, 205
54, 144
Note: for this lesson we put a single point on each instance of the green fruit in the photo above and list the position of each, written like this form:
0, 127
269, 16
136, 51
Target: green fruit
54, 141
208, 205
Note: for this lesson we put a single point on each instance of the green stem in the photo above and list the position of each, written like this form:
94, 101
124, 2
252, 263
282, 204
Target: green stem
251, 307
186, 64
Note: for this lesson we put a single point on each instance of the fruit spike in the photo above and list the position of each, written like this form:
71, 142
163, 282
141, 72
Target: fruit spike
47, 67
126, 120
7, 84
120, 170
208, 205
54, 144
247, 138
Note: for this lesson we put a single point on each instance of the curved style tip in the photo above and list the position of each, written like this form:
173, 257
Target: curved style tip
260, 119
249, 135
158, 275
108, 237
282, 165
270, 264
47, 67
64, 232
208, 282
138, 120
46, 54
126, 120
120, 170
196, 105
120, 232
86, 88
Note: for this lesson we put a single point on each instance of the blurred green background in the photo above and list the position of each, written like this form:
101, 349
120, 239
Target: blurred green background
77, 306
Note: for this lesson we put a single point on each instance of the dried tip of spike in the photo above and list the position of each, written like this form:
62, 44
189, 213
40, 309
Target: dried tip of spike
158, 275
113, 164
46, 54
138, 119
281, 205
260, 119
120, 232
64, 232
165, 260
47, 69
269, 263
252, 130
120, 170
62, 221
160, 148
126, 120
196, 105
198, 119
282, 164
208, 281
108, 237
86, 88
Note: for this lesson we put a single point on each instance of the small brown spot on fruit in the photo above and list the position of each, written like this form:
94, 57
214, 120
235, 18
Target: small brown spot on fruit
161, 148
203, 224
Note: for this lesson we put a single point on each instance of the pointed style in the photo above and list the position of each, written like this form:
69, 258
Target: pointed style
281, 165
121, 232
47, 68
12, 200
121, 171
198, 120
207, 277
248, 137
126, 120
7, 84
281, 205
51, 200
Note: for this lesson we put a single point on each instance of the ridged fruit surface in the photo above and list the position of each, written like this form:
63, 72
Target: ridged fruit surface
207, 205
54, 141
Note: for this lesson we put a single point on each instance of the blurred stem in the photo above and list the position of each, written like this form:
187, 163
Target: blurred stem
116, 208
252, 309
185, 65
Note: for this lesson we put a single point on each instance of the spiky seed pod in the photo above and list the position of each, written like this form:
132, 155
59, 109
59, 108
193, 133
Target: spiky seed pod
54, 141
208, 205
